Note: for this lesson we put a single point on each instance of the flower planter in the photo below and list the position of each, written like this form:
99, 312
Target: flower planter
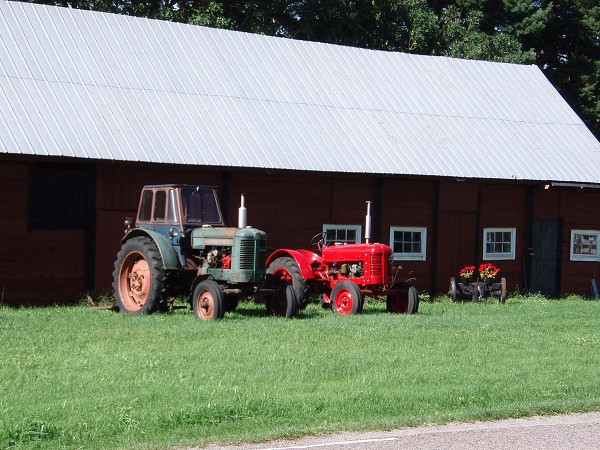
477, 291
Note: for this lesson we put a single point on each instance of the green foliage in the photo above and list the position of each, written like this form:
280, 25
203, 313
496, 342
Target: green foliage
26, 431
463, 38
212, 16
568, 52
93, 378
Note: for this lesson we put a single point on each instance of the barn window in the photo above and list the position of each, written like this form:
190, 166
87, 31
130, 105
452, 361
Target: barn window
499, 243
409, 243
59, 197
584, 245
343, 234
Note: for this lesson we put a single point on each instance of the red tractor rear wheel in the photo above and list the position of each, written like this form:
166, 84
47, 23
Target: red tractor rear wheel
286, 269
346, 298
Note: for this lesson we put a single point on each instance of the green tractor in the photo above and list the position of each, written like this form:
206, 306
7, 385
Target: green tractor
180, 245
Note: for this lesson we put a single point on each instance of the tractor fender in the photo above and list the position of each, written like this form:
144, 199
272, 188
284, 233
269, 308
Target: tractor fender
303, 258
165, 247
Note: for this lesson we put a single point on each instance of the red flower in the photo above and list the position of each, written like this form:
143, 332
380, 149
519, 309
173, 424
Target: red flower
467, 272
487, 270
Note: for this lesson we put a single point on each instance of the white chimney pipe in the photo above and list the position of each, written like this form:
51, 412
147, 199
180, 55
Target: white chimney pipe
368, 223
242, 213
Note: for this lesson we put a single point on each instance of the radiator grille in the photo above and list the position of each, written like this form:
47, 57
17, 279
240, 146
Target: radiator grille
262, 253
377, 266
247, 254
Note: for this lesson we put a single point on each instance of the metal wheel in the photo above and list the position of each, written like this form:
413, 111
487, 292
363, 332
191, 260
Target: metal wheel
208, 301
478, 292
402, 298
453, 292
139, 277
346, 298
415, 294
503, 293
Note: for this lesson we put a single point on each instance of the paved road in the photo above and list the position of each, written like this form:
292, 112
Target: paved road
563, 432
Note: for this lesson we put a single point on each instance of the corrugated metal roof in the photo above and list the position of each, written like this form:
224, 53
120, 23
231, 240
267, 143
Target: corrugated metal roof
102, 86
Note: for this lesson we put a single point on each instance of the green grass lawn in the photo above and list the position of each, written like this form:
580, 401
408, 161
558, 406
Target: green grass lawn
75, 377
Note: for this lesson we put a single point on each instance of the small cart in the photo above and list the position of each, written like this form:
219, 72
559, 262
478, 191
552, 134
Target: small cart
477, 290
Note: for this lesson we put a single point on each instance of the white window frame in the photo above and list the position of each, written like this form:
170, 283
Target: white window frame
416, 256
504, 256
356, 228
584, 256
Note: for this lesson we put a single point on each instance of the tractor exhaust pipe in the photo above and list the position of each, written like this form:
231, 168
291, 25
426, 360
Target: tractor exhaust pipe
242, 213
368, 223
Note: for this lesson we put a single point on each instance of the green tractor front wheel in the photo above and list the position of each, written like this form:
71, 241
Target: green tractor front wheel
208, 301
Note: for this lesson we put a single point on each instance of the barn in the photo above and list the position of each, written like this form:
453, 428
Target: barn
464, 161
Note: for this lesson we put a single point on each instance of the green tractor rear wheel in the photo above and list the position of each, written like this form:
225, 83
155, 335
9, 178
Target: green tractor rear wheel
139, 278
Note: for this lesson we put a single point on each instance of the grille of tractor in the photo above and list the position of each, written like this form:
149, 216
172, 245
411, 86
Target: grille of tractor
247, 252
377, 266
262, 253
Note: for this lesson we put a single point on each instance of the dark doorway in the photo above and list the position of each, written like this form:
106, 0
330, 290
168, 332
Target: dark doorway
457, 247
62, 207
545, 257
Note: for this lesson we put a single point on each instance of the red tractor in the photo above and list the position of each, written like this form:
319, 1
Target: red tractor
342, 273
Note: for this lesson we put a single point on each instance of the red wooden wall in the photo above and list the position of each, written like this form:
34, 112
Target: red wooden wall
46, 266
36, 266
579, 209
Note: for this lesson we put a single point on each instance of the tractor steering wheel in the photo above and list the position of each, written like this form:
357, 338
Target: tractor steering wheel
319, 240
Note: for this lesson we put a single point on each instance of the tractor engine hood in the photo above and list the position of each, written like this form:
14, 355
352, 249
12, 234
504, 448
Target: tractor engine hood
350, 252
223, 237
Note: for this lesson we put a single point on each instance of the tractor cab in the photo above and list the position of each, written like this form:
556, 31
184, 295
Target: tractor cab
176, 209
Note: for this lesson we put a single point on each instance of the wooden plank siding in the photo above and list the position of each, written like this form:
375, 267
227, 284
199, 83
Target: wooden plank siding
505, 206
46, 266
580, 210
290, 207
456, 231
410, 203
36, 266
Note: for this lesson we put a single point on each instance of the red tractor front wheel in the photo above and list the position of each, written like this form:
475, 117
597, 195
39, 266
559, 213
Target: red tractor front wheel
403, 298
346, 298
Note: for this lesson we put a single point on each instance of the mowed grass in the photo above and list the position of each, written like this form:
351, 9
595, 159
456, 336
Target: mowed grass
75, 377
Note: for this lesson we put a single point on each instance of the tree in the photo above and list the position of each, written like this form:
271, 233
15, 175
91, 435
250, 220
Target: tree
462, 36
568, 51
562, 38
